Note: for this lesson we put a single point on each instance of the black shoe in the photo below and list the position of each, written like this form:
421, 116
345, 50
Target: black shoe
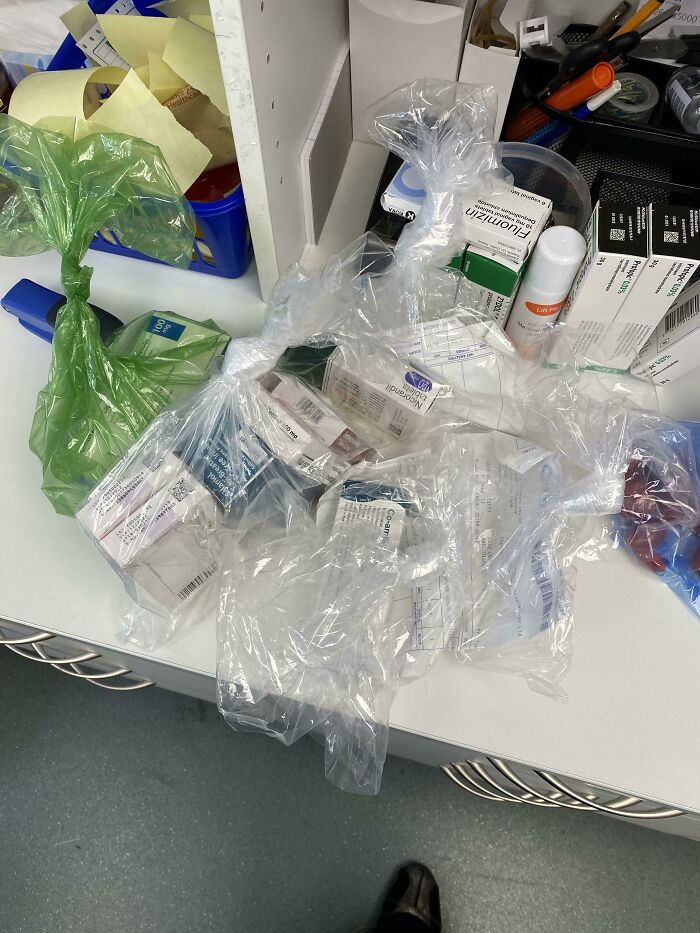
412, 904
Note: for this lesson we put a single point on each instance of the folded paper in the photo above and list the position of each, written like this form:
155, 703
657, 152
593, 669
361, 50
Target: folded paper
59, 94
133, 110
192, 53
133, 37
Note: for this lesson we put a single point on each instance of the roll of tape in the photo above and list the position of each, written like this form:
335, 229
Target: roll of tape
635, 101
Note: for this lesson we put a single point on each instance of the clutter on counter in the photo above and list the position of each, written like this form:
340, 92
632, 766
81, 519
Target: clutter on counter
379, 476
397, 465
642, 52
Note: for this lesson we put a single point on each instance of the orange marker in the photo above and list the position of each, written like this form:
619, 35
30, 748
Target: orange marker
575, 92
570, 95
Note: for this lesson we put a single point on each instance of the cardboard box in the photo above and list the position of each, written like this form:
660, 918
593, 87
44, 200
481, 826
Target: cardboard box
162, 545
495, 66
495, 283
506, 222
617, 249
392, 44
673, 237
674, 347
404, 194
388, 393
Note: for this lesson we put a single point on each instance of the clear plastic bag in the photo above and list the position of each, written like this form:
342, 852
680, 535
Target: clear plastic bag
518, 610
387, 477
156, 514
659, 520
56, 193
445, 132
318, 614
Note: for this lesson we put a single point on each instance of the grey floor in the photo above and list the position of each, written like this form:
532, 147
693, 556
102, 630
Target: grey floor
145, 812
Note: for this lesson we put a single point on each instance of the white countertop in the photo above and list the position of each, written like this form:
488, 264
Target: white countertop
634, 690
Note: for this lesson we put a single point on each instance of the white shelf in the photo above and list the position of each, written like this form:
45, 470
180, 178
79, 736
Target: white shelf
276, 58
351, 205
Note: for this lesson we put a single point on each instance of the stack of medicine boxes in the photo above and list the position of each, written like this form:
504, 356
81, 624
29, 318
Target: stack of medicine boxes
638, 262
501, 231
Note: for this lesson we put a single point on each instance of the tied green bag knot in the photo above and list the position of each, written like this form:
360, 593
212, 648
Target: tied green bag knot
58, 192
75, 280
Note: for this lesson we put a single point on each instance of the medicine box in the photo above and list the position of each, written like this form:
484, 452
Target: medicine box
309, 407
494, 283
616, 253
404, 195
673, 235
162, 544
123, 490
507, 222
674, 347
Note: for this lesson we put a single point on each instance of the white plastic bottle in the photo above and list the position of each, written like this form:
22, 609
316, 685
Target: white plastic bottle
555, 261
683, 95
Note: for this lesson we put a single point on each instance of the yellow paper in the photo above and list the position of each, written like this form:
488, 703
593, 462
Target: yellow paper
133, 110
184, 8
59, 94
203, 20
162, 80
78, 20
133, 37
192, 53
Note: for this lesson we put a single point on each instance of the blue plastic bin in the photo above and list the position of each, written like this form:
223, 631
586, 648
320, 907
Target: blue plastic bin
222, 244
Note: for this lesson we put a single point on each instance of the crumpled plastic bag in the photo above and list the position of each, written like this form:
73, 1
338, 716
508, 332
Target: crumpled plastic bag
442, 521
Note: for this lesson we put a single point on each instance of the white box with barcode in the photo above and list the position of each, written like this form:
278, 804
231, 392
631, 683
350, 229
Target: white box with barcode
673, 238
616, 254
674, 347
162, 546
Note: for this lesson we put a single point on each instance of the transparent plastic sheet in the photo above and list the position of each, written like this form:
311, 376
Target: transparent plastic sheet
318, 614
445, 132
56, 192
156, 514
518, 610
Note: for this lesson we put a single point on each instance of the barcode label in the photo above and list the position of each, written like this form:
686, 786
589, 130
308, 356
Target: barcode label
677, 316
309, 409
617, 234
194, 584
544, 584
180, 490
671, 236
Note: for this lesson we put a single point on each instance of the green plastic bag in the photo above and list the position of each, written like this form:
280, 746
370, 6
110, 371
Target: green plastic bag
56, 192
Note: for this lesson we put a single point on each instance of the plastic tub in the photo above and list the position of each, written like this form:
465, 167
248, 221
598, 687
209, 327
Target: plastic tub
552, 176
222, 244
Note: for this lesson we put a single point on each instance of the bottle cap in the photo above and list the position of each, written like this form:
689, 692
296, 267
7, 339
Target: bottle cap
555, 260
